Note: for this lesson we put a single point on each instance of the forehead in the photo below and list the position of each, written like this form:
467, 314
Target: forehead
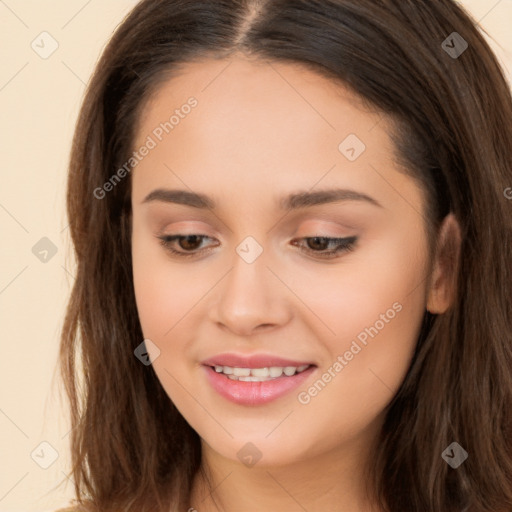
263, 98
257, 124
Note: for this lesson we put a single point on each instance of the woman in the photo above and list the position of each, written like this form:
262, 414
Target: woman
293, 290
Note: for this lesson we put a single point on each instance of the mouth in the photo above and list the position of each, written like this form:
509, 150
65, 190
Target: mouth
259, 374
257, 385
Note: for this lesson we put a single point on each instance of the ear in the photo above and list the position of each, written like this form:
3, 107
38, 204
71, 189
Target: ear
443, 278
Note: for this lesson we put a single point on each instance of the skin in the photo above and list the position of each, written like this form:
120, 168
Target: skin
261, 131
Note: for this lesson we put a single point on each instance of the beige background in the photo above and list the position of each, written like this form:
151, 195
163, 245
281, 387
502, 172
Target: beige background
39, 101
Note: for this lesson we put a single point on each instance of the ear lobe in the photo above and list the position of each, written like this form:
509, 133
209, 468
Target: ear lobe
443, 279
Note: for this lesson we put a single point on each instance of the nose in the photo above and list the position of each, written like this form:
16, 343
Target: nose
250, 299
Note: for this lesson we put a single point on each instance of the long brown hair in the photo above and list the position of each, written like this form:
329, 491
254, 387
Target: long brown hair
131, 449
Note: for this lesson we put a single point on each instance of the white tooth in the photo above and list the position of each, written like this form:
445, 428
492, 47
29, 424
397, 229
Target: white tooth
275, 371
227, 370
260, 372
241, 372
302, 368
251, 378
232, 377
289, 370
218, 369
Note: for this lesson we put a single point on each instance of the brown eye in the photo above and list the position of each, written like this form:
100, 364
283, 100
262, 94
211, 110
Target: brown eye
190, 242
188, 245
318, 245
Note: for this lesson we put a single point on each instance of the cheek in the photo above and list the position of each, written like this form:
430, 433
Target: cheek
164, 291
364, 372
165, 297
350, 296
170, 300
376, 311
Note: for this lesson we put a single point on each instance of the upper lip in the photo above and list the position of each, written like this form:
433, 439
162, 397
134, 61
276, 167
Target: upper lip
252, 361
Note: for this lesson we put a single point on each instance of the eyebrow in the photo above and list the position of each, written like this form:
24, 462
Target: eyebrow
294, 201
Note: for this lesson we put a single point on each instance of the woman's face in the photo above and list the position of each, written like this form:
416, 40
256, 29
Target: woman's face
270, 161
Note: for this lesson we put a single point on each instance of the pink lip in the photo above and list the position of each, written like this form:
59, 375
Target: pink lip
253, 361
255, 393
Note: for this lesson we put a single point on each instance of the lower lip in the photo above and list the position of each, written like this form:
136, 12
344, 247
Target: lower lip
255, 393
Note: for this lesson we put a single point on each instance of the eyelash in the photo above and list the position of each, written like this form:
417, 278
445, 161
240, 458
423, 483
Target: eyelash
343, 245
